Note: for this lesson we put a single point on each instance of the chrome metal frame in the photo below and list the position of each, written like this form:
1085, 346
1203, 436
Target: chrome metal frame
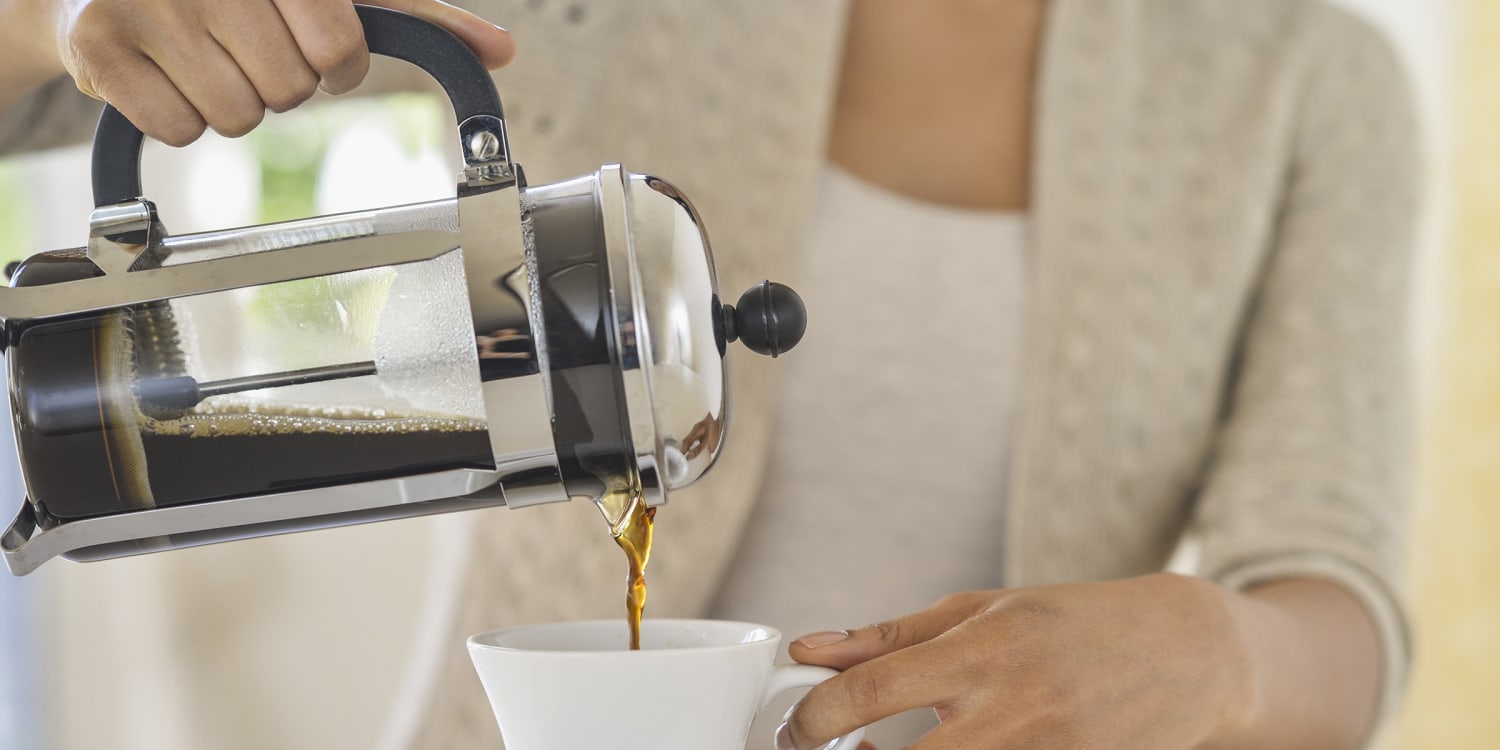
142, 264
26, 547
666, 296
114, 290
652, 242
502, 298
632, 329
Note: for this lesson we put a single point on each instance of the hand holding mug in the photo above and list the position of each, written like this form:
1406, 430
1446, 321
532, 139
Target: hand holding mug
1151, 662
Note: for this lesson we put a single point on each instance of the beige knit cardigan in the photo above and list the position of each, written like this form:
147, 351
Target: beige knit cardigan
1224, 205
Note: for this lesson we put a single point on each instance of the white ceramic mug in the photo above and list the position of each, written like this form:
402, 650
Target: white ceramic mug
694, 685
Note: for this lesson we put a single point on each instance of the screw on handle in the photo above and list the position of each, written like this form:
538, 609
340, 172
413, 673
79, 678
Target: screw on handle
117, 141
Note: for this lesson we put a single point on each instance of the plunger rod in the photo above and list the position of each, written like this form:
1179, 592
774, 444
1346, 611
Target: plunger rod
183, 392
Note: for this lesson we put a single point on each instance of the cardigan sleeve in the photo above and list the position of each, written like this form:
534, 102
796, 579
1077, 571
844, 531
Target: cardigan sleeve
1311, 471
57, 114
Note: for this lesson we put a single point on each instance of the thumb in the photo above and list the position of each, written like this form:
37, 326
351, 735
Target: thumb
492, 43
842, 649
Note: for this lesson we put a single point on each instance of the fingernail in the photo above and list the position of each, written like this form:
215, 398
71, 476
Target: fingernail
824, 638
784, 737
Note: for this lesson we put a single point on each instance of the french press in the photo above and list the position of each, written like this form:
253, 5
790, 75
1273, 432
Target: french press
512, 345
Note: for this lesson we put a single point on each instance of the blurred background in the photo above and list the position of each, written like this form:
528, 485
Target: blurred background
317, 161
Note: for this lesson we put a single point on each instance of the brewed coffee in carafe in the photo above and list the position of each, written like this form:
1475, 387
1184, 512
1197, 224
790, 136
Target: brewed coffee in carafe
354, 377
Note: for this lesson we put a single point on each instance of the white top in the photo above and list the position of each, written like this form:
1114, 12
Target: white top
886, 483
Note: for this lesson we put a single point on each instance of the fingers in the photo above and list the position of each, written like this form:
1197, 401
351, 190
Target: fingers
331, 39
152, 103
212, 82
492, 43
266, 52
887, 668
175, 67
844, 649
105, 65
914, 677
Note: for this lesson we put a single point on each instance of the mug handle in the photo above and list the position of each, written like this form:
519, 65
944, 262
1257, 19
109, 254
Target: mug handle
788, 676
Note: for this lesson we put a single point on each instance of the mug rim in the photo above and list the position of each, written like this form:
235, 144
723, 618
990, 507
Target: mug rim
485, 641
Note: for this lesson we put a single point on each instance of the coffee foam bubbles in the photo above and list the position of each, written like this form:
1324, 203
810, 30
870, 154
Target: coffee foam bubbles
229, 418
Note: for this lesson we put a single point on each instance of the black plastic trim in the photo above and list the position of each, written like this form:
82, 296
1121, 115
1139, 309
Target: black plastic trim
589, 420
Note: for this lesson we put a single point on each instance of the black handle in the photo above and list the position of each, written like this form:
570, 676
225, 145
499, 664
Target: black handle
117, 141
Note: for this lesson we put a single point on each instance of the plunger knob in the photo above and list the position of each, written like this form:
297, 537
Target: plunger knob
769, 319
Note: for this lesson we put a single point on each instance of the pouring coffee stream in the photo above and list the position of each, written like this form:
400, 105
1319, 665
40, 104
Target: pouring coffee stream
577, 325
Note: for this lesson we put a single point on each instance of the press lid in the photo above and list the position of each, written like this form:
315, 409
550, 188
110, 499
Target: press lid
674, 330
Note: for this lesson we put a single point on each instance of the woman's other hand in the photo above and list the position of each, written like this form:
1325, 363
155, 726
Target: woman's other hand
1151, 662
176, 67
